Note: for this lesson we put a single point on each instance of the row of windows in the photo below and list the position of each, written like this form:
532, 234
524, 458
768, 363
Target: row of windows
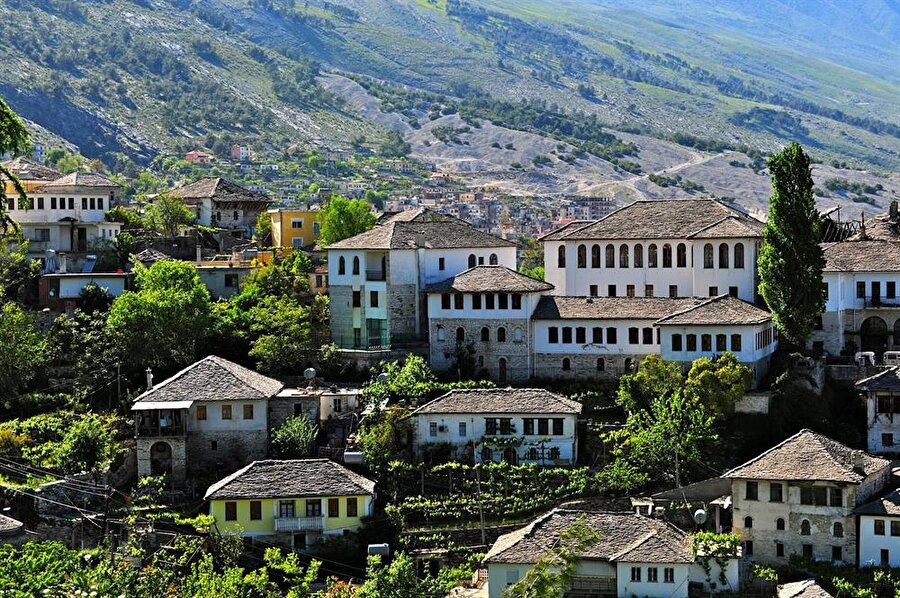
234, 216
653, 574
837, 529
474, 261
485, 334
809, 495
890, 290
706, 342
878, 527
636, 260
553, 336
600, 364
87, 203
542, 426
287, 508
611, 291
374, 275
226, 412
488, 300
764, 338
374, 300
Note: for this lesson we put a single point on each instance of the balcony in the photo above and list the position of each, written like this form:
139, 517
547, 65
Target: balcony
375, 275
882, 302
299, 524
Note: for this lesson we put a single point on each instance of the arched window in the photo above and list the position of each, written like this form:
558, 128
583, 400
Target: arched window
582, 256
638, 256
739, 255
623, 256
723, 255
342, 265
441, 335
651, 256
610, 256
595, 256
561, 256
566, 364
355, 265
779, 524
667, 256
485, 334
708, 256
460, 334
838, 531
493, 259
601, 364
501, 335
804, 527
517, 335
235, 215
472, 260
681, 255
748, 522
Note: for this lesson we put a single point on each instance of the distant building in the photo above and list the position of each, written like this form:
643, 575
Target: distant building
220, 203
882, 396
294, 228
318, 279
198, 157
240, 153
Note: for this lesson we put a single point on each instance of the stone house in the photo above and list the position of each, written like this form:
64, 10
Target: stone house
800, 496
294, 502
634, 556
516, 425
881, 393
218, 202
808, 588
879, 531
487, 308
212, 415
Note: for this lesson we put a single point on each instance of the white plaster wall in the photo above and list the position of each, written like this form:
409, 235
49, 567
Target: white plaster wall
215, 423
552, 272
498, 576
881, 423
542, 345
435, 311
870, 545
70, 287
748, 353
723, 278
660, 589
732, 576
46, 215
457, 260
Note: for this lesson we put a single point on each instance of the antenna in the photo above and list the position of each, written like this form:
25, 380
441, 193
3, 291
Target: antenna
700, 516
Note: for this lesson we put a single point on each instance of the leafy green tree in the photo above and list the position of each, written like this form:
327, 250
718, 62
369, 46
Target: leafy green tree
283, 334
295, 438
718, 383
167, 214
264, 227
23, 350
790, 258
13, 141
342, 218
93, 298
16, 268
382, 438
394, 146
129, 218
87, 446
395, 580
655, 378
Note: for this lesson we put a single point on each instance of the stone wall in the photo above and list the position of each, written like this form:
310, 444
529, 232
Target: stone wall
233, 450
487, 354
179, 456
583, 366
341, 315
402, 302
280, 409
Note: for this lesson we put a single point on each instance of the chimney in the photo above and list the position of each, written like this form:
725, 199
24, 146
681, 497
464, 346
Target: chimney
859, 461
149, 379
893, 210
420, 239
199, 253
62, 262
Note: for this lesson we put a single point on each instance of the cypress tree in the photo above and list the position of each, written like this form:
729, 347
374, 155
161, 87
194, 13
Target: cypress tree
790, 259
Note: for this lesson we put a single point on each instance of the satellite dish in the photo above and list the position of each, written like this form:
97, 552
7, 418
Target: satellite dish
309, 373
382, 378
699, 516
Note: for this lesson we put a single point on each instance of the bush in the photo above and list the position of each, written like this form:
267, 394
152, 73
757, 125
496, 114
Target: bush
295, 438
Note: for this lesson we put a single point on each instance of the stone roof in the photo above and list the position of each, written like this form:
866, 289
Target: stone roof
500, 400
862, 256
485, 279
670, 219
809, 456
291, 478
609, 308
624, 536
886, 505
723, 309
218, 189
888, 379
213, 379
421, 228
151, 255
27, 170
808, 588
10, 526
557, 234
81, 179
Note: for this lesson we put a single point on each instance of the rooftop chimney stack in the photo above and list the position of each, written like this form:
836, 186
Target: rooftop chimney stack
149, 379
199, 254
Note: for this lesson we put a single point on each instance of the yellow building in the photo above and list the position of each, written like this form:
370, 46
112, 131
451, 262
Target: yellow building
295, 502
294, 227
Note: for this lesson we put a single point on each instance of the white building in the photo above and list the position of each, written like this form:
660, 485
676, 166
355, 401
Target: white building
634, 556
800, 497
862, 309
218, 202
668, 248
882, 396
377, 279
515, 425
879, 532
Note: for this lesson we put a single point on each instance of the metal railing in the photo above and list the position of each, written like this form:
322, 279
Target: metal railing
376, 275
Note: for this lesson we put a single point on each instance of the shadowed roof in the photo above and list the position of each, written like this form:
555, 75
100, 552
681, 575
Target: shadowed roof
723, 309
485, 279
500, 400
862, 256
219, 189
609, 308
291, 478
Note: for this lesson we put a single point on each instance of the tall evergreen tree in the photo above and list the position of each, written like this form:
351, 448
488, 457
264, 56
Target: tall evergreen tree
790, 259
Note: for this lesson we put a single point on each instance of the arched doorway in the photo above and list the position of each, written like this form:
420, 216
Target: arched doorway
873, 334
160, 458
511, 455
897, 333
501, 375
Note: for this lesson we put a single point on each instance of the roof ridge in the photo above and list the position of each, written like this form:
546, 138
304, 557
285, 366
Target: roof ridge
764, 453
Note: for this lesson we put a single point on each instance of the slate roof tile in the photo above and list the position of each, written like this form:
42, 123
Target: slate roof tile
862, 256
888, 379
27, 170
500, 400
609, 308
723, 309
484, 279
886, 505
220, 190
291, 478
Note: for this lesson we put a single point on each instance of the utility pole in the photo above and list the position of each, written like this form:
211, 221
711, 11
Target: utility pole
480, 509
677, 471
118, 384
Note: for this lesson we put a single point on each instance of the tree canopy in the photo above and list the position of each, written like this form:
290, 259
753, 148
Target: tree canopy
167, 214
342, 218
13, 141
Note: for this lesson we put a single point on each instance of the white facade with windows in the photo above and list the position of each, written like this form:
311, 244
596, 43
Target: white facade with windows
879, 532
882, 396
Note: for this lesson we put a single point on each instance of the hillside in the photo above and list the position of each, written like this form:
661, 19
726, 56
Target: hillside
622, 89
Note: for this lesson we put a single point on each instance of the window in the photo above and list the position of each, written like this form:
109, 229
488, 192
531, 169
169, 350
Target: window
528, 426
462, 429
557, 426
313, 507
676, 342
601, 364
638, 256
895, 528
567, 334
751, 491
357, 298
652, 574
581, 335
355, 265
611, 336
611, 290
748, 548
723, 255
779, 524
553, 335
838, 530
492, 259
776, 492
501, 335
71, 203
561, 256
214, 445
748, 522
42, 234
201, 412
708, 256
566, 364
487, 454
296, 223
692, 342
485, 334
476, 301
860, 290
610, 256
516, 301
334, 507
885, 557
891, 290
472, 261
234, 215
255, 510
887, 440
681, 255
52, 203
442, 264
648, 290
352, 506
432, 429
667, 256
706, 342
342, 266
503, 301
733, 291
721, 343
629, 290
543, 428
226, 411
230, 511
673, 291
836, 497
669, 575
623, 256
480, 260
458, 301
634, 335
597, 335
248, 411
505, 426
825, 290
445, 300
582, 256
779, 549
595, 256
490, 426
739, 255
713, 291
84, 203
512, 576
879, 527
651, 255
635, 574
805, 528
231, 281
647, 336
